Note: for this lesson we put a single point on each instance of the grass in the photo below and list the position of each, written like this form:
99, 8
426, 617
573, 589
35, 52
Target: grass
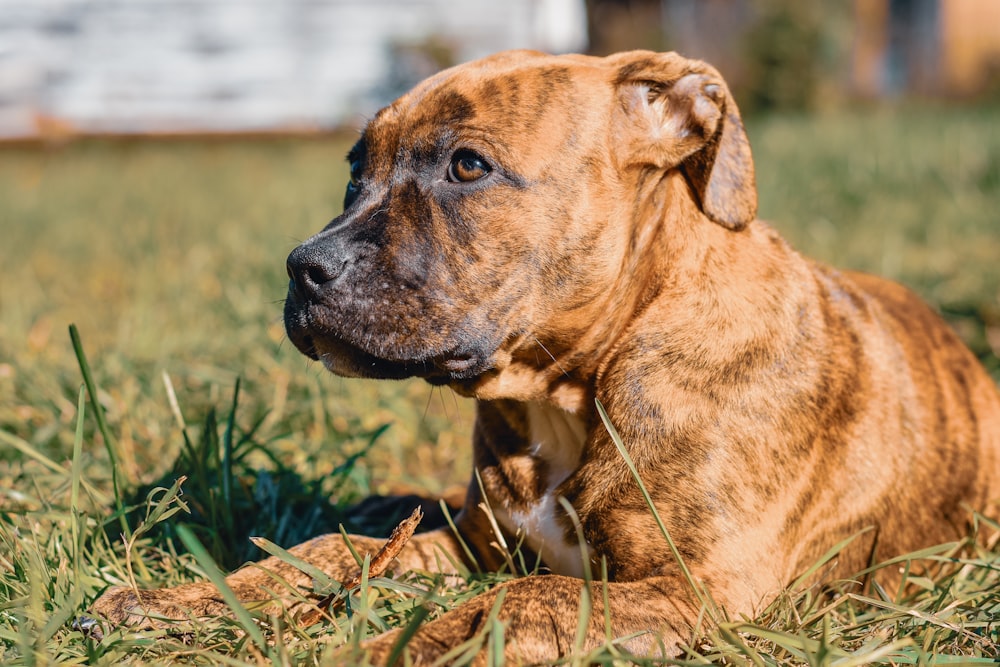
168, 258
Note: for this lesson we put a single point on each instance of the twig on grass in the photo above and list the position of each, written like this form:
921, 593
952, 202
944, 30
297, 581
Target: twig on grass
377, 567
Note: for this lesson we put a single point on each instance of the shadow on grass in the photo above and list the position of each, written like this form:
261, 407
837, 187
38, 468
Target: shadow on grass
231, 500
227, 499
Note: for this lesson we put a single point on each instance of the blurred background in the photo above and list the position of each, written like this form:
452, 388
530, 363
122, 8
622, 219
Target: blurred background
114, 66
160, 158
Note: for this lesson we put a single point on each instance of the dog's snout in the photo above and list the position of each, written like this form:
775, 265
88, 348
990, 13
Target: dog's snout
310, 268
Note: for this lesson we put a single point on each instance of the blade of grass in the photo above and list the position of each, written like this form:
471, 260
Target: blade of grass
884, 652
322, 579
798, 645
826, 558
465, 652
102, 426
28, 450
216, 576
407, 634
350, 545
404, 588
458, 536
76, 474
175, 407
60, 617
75, 466
364, 612
929, 553
606, 599
160, 510
227, 449
497, 643
586, 602
500, 543
744, 650
613, 432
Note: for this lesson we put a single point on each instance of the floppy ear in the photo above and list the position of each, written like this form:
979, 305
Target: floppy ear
676, 112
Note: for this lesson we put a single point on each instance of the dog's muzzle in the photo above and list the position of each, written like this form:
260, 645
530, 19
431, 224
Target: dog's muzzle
310, 269
318, 293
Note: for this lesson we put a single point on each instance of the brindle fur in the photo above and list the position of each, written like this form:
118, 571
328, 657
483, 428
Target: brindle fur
773, 406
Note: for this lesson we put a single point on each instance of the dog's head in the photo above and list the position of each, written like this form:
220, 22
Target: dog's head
491, 215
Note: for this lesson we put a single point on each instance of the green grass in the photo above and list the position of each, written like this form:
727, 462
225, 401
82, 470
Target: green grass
169, 259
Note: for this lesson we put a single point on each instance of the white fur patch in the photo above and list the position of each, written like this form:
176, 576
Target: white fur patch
557, 437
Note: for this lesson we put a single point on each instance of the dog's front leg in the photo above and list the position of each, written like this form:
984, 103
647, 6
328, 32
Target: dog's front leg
270, 581
540, 616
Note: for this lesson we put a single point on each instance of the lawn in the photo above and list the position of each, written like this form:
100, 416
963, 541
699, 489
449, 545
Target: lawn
168, 257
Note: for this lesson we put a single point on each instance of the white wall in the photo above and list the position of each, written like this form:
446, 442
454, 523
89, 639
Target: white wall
192, 65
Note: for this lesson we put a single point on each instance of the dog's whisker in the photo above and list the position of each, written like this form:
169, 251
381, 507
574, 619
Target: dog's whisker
427, 406
554, 360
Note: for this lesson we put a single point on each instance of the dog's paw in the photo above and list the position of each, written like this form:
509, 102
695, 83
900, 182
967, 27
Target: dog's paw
143, 610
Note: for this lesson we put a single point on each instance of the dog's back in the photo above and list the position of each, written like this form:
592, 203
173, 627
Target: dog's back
946, 374
939, 427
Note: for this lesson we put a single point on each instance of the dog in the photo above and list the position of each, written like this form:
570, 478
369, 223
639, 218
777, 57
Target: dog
556, 235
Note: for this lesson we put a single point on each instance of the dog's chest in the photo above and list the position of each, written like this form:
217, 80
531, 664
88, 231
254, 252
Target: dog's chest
556, 444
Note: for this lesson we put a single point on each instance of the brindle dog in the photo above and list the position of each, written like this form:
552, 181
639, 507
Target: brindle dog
542, 233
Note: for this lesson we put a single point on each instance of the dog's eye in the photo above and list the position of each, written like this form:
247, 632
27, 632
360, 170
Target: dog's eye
354, 185
467, 166
355, 172
350, 195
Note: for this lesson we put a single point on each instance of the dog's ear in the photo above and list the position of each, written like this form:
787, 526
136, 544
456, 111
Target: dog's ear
676, 112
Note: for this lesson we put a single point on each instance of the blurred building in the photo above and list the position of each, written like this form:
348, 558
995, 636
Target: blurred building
791, 53
926, 46
242, 65
117, 66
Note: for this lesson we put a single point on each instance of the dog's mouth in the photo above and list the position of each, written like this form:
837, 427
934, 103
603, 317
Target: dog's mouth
347, 360
352, 338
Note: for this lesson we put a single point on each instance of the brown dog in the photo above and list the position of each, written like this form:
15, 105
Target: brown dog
542, 233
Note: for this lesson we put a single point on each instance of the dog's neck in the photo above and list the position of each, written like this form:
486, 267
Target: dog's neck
557, 438
677, 262
554, 446
696, 276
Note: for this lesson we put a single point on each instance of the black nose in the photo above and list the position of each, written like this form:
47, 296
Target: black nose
310, 268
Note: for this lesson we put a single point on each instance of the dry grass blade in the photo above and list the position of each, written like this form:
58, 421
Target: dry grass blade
380, 562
